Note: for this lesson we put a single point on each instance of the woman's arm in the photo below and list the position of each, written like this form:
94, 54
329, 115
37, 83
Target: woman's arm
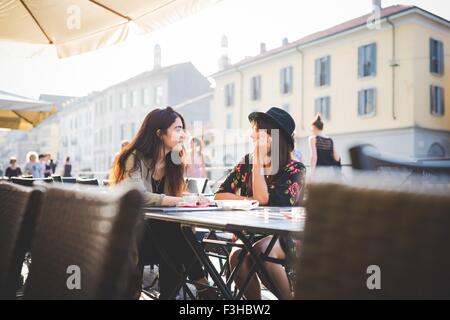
229, 188
313, 153
228, 196
336, 155
170, 201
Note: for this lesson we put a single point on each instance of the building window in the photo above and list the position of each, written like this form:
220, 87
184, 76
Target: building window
134, 98
146, 97
229, 121
122, 132
229, 95
256, 88
286, 107
436, 57
110, 134
367, 60
110, 103
158, 95
123, 100
437, 101
323, 107
436, 151
286, 80
367, 102
323, 71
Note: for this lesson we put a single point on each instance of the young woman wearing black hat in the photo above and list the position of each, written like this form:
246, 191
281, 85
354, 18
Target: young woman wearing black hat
270, 176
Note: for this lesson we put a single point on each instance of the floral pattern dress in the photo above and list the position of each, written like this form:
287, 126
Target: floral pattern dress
285, 189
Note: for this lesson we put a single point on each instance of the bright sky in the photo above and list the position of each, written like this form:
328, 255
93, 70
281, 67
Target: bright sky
29, 70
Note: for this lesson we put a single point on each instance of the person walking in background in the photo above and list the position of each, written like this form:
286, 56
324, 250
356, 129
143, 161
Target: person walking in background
32, 167
67, 168
322, 150
13, 170
42, 163
196, 165
50, 166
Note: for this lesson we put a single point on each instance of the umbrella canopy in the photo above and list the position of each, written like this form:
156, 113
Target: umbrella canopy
21, 113
78, 26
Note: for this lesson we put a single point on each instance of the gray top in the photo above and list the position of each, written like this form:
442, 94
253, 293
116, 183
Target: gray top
142, 179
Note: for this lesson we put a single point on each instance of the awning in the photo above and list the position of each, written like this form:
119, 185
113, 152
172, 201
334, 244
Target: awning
78, 26
21, 113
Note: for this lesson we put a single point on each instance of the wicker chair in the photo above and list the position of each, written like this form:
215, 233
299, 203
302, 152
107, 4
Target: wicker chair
94, 232
350, 228
18, 210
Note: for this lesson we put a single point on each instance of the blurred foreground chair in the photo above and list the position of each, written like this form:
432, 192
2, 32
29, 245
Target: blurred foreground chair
69, 180
19, 207
352, 229
89, 182
367, 158
28, 182
85, 237
57, 178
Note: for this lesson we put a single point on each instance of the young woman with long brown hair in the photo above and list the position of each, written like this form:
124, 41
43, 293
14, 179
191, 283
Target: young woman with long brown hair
154, 162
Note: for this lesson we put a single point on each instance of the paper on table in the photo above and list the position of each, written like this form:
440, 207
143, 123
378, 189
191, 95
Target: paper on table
237, 204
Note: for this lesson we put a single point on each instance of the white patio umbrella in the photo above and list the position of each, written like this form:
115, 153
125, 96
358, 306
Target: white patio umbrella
21, 113
78, 26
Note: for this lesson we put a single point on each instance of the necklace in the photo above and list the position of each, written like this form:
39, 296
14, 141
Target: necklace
157, 184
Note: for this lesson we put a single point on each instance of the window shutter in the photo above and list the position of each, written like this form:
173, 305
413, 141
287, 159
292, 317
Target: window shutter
432, 100
432, 55
291, 79
317, 73
361, 62
441, 58
282, 81
252, 88
361, 103
327, 107
373, 64
441, 101
328, 71
374, 100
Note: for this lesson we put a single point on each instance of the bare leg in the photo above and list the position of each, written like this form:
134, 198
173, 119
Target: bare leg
275, 271
253, 291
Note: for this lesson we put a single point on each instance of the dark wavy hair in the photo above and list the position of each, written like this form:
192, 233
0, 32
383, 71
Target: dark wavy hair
284, 149
147, 145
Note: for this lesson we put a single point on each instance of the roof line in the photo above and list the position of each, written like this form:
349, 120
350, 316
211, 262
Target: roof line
205, 95
298, 43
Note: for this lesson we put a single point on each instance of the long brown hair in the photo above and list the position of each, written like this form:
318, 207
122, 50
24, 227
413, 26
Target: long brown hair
147, 145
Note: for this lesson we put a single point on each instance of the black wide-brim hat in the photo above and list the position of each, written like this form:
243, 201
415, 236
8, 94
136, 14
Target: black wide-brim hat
281, 119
